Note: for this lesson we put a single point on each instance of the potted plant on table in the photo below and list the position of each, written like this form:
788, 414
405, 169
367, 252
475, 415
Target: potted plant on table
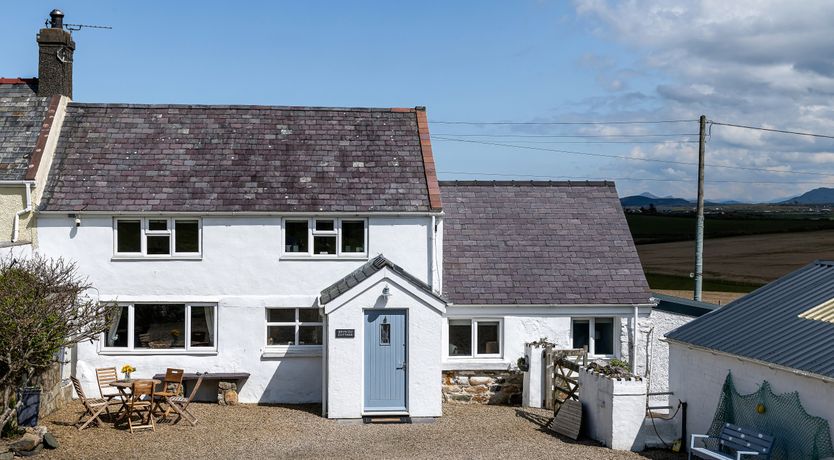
127, 369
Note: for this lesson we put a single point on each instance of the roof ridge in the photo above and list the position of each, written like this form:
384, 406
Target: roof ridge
17, 81
238, 106
534, 183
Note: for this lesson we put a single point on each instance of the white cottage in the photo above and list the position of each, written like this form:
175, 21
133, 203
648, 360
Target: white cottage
307, 248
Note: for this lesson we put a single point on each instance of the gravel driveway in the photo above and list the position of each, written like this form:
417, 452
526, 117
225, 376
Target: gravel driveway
250, 431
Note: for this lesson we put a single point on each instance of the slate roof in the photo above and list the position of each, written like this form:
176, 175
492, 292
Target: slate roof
21, 114
521, 243
134, 158
765, 324
366, 271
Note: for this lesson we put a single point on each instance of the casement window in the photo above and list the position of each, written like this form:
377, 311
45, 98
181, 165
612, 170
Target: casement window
595, 333
157, 237
162, 327
475, 338
293, 327
326, 237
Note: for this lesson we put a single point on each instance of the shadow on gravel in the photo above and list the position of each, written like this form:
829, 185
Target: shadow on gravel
313, 409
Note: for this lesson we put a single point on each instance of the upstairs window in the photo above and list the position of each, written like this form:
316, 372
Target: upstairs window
325, 237
157, 237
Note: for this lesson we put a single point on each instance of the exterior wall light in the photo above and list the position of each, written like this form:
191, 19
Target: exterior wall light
386, 292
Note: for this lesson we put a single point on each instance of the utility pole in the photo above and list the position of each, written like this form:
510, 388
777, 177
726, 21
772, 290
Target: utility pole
699, 226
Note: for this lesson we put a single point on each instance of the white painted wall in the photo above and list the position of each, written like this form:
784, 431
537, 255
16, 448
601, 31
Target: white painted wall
613, 410
658, 375
345, 374
242, 272
697, 376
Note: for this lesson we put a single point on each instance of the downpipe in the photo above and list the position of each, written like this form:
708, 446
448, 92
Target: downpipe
17, 215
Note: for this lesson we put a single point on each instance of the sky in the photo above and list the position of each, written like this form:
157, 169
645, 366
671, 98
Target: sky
499, 79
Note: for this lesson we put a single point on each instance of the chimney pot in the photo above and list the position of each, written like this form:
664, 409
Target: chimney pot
57, 19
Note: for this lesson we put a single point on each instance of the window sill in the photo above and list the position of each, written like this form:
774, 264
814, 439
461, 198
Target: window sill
300, 351
156, 258
323, 257
117, 352
475, 364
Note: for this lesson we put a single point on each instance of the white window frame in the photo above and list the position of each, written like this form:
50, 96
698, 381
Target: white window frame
592, 340
298, 349
145, 232
188, 349
474, 338
312, 233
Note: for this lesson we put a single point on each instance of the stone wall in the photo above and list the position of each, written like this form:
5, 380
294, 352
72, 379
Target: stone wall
482, 387
55, 393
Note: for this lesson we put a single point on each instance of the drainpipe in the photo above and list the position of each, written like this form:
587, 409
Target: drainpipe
18, 214
634, 342
432, 255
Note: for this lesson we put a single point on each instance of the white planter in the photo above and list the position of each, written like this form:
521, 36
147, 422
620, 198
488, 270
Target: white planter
613, 410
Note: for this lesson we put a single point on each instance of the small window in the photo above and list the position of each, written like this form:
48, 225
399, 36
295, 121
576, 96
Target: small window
157, 224
202, 326
296, 236
129, 236
597, 334
488, 338
188, 236
325, 225
460, 337
324, 245
353, 236
385, 334
293, 326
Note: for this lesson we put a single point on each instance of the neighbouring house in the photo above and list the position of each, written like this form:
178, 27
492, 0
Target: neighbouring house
313, 249
782, 333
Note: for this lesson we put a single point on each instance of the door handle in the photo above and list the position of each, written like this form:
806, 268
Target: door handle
402, 365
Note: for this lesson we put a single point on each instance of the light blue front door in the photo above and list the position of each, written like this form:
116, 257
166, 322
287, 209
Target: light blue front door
385, 360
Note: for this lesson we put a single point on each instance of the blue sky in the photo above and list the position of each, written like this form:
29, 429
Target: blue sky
528, 61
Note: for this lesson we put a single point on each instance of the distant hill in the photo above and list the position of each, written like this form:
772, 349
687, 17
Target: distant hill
636, 201
820, 195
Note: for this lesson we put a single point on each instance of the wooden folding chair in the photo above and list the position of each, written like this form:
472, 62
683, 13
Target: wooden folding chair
92, 406
171, 386
104, 376
141, 401
180, 404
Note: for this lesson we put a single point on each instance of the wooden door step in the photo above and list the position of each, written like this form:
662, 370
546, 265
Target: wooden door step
386, 419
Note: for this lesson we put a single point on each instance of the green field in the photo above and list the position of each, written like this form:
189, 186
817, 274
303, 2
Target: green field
680, 283
663, 228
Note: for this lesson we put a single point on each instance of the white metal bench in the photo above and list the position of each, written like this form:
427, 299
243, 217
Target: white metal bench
742, 441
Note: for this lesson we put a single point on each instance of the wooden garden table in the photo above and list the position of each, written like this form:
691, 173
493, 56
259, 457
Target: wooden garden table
124, 385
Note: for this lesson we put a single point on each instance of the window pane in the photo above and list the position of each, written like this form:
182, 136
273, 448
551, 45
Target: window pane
580, 333
353, 236
296, 236
460, 337
603, 336
130, 236
280, 335
159, 244
116, 336
202, 326
325, 225
187, 236
488, 338
324, 245
159, 326
309, 335
281, 315
158, 224
385, 334
309, 315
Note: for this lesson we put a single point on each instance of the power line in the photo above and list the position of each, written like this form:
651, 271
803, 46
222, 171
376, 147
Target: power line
654, 160
637, 179
567, 135
608, 142
620, 122
782, 131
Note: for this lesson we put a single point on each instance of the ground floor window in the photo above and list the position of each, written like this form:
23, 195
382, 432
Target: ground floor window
293, 326
474, 337
162, 326
597, 334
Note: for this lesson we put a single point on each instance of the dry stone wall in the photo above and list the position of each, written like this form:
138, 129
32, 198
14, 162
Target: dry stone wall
482, 387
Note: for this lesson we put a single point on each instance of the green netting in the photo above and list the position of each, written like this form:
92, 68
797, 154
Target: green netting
797, 434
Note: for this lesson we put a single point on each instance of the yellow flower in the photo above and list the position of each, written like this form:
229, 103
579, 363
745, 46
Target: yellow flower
128, 368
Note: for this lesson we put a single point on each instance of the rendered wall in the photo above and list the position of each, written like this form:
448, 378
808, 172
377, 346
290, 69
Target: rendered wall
12, 200
345, 373
613, 410
697, 377
658, 377
242, 272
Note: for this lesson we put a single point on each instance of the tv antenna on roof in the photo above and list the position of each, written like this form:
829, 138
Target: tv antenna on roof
56, 21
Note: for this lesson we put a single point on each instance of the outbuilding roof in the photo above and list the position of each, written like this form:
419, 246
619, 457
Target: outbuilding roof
198, 158
22, 113
366, 271
766, 325
522, 243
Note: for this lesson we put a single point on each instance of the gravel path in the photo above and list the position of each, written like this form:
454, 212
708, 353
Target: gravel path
250, 431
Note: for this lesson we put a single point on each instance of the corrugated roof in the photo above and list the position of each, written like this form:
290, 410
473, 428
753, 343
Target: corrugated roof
138, 158
766, 325
366, 271
822, 312
688, 307
538, 242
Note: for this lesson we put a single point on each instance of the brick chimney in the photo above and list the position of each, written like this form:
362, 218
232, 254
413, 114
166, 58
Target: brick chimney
55, 58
